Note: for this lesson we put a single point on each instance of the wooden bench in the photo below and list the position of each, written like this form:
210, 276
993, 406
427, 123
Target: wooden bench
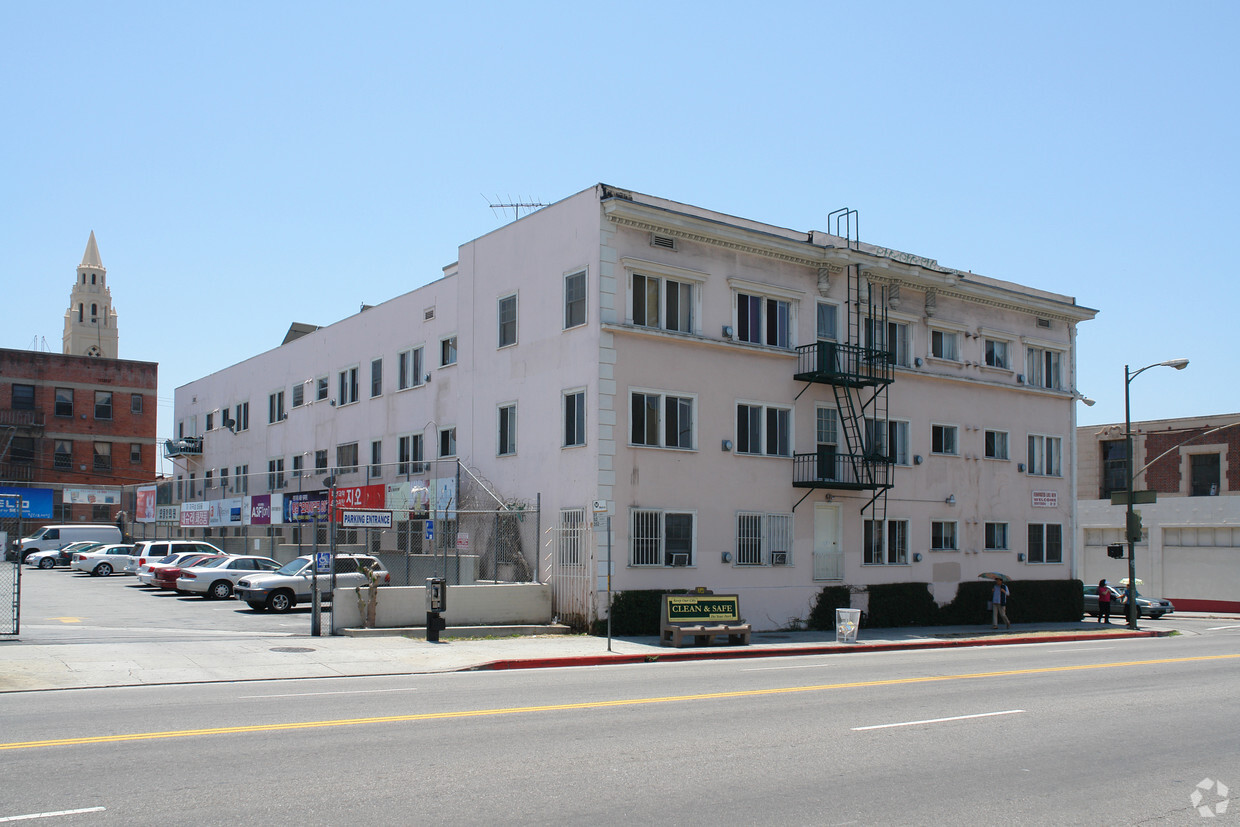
701, 617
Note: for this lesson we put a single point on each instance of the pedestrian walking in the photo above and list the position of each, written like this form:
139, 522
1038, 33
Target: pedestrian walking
1104, 602
998, 604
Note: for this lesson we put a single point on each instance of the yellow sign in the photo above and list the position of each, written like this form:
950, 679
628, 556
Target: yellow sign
690, 608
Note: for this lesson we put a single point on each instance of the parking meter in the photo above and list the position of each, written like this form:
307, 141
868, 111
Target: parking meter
436, 605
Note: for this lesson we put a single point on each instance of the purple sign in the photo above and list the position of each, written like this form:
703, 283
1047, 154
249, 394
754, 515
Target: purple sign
260, 509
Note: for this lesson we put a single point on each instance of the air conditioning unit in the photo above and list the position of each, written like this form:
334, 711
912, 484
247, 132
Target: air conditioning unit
680, 558
779, 558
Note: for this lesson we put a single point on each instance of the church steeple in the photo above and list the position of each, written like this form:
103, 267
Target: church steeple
90, 322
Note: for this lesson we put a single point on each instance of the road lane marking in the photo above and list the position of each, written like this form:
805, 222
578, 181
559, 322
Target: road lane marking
620, 702
1217, 628
341, 692
939, 720
53, 815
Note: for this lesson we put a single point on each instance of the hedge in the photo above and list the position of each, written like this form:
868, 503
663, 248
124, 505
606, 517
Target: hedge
910, 604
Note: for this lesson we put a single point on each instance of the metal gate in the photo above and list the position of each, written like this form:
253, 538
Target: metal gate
571, 549
10, 570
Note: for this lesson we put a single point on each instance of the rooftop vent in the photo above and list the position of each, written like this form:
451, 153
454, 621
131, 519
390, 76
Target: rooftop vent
1045, 324
428, 314
665, 242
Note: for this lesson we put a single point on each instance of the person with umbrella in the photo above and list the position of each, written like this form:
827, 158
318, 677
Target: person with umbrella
998, 599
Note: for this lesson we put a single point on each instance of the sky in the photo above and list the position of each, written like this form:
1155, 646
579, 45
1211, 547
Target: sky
248, 165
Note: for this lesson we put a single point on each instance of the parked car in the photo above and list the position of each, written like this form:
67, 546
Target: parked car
102, 561
1151, 607
56, 537
216, 578
52, 557
165, 577
147, 570
148, 551
280, 591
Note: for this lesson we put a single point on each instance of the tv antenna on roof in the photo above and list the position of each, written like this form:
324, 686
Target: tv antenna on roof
514, 205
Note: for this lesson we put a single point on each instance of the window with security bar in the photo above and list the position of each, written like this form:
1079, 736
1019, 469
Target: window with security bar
661, 538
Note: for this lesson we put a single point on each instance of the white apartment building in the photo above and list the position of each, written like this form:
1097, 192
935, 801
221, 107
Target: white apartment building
762, 411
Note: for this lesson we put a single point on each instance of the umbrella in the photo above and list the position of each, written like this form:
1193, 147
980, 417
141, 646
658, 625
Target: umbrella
991, 575
1139, 581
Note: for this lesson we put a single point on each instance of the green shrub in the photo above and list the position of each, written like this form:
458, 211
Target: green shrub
635, 613
1031, 601
901, 604
822, 615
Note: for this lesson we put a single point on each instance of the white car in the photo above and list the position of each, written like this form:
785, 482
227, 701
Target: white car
216, 578
146, 552
48, 559
104, 560
147, 570
284, 589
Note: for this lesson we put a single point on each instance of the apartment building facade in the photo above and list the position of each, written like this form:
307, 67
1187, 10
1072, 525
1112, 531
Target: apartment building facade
758, 410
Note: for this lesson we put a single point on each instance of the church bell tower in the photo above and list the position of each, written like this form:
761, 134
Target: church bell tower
90, 322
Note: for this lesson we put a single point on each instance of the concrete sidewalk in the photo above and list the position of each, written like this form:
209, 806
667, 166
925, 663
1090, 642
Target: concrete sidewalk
36, 667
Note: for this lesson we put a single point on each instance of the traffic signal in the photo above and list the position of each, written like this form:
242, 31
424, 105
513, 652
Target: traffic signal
1115, 551
1134, 527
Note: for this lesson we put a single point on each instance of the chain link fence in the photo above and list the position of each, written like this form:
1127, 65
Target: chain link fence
11, 527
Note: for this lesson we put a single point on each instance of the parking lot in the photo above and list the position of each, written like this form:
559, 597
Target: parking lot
62, 606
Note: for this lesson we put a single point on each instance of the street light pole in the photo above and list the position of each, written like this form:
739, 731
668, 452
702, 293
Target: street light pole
1130, 516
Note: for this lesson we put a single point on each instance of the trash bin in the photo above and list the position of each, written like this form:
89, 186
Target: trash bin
846, 623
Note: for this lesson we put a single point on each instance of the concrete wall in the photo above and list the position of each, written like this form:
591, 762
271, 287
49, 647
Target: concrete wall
504, 604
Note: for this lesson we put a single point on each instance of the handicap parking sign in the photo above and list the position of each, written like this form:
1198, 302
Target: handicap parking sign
323, 562
430, 529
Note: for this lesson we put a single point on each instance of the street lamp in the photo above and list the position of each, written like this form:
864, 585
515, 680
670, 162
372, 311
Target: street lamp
1131, 528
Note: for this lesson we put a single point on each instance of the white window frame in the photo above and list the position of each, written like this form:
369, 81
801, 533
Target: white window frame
343, 465
902, 327
892, 546
954, 430
947, 341
774, 534
1037, 554
275, 473
347, 387
693, 280
991, 532
782, 446
299, 395
501, 322
572, 537
450, 432
578, 412
411, 368
1003, 447
1045, 457
376, 458
376, 377
241, 414
1036, 355
408, 460
991, 339
275, 407
765, 293
570, 302
819, 334
661, 435
898, 441
506, 429
944, 535
655, 520
322, 388
450, 342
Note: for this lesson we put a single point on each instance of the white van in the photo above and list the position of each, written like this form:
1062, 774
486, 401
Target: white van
52, 537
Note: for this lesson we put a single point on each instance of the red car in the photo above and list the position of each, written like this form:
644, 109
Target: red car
166, 576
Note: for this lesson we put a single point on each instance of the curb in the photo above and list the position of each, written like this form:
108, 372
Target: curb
787, 651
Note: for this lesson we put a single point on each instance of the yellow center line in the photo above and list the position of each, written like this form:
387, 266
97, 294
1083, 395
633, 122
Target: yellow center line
477, 713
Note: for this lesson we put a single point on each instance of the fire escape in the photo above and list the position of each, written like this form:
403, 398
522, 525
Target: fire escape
858, 368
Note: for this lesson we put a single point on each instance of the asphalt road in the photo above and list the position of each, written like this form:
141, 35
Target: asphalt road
1112, 732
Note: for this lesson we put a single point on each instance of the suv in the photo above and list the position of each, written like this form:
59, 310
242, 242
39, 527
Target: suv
281, 590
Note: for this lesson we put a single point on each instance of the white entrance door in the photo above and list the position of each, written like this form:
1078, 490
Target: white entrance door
828, 556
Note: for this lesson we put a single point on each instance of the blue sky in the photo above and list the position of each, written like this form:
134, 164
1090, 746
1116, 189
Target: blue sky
247, 165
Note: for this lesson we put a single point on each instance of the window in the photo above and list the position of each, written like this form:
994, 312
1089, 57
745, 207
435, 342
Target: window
661, 538
894, 339
63, 456
508, 321
320, 389
944, 345
224, 478
409, 369
574, 418
21, 450
507, 442
997, 354
299, 465
242, 417
1042, 368
572, 536
943, 535
135, 403
376, 378
208, 479
828, 321
763, 430
574, 300
275, 407
135, 454
447, 351
1044, 456
447, 442
887, 440
347, 389
661, 421
242, 472
320, 461
299, 394
996, 536
376, 458
758, 536
886, 543
103, 456
103, 404
211, 420
23, 398
1203, 475
275, 473
827, 433
346, 458
64, 402
409, 454
943, 439
664, 303
1045, 543
762, 320
1114, 466
997, 445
